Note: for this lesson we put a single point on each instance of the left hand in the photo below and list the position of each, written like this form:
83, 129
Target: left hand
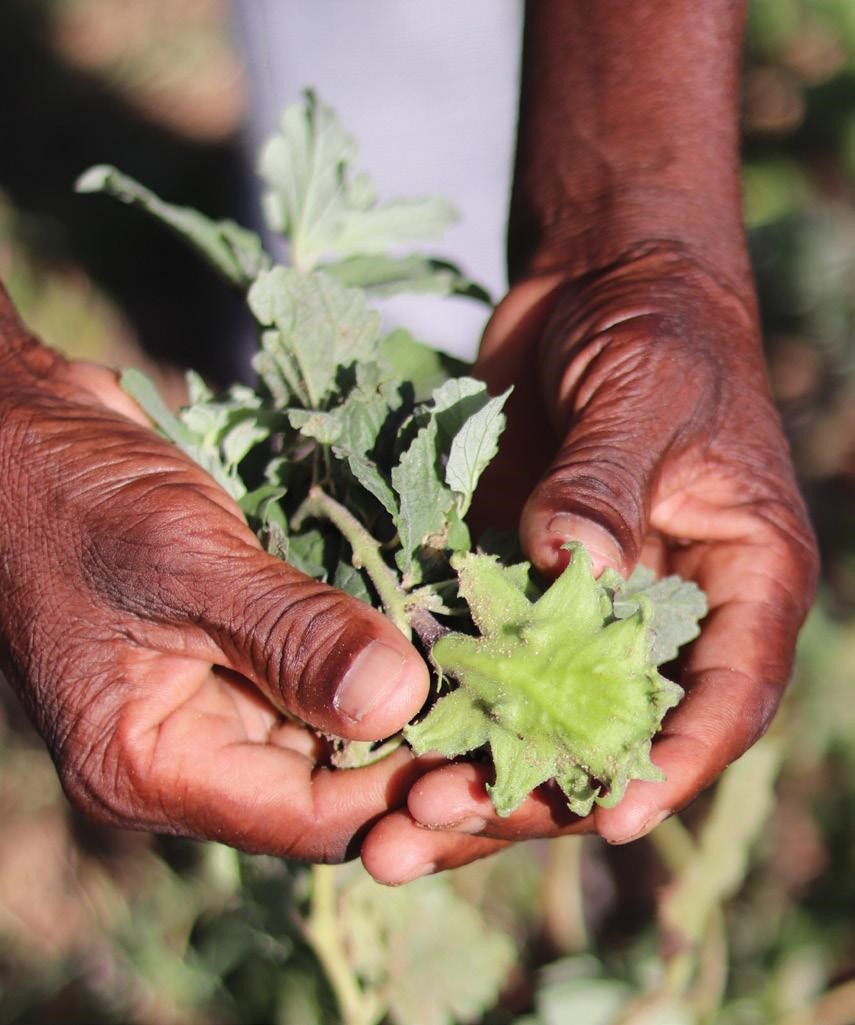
641, 423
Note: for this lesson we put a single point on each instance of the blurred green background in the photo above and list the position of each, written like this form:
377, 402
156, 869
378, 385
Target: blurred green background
743, 912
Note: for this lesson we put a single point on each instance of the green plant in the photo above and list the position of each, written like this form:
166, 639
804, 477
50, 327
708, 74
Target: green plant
357, 461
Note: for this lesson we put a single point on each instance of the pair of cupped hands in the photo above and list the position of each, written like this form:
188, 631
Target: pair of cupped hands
155, 645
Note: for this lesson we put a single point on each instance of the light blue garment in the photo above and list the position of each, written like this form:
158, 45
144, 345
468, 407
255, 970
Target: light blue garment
429, 88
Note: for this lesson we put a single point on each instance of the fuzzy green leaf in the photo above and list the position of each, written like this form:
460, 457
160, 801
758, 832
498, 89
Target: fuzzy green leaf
474, 446
677, 606
382, 275
401, 964
236, 252
202, 450
424, 499
314, 200
320, 328
350, 580
305, 551
421, 366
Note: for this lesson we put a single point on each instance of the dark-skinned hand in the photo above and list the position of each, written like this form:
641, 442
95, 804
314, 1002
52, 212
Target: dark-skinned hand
641, 423
156, 646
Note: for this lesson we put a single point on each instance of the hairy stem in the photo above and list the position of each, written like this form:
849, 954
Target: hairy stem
563, 896
366, 553
324, 935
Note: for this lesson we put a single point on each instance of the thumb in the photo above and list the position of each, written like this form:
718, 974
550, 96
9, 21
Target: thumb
327, 658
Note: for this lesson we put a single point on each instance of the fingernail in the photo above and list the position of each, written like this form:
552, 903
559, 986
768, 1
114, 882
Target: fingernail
471, 824
601, 546
371, 678
648, 827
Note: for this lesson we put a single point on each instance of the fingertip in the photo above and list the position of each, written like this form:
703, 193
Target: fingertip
546, 532
451, 794
645, 804
633, 823
398, 850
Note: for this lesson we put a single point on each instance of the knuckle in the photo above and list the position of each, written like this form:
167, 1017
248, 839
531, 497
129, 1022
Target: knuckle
299, 630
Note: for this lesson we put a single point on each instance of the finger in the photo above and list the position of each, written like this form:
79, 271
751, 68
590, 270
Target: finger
191, 579
397, 850
507, 358
735, 676
189, 753
454, 798
617, 430
327, 658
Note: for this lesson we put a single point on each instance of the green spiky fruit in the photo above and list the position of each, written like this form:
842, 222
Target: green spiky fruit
558, 688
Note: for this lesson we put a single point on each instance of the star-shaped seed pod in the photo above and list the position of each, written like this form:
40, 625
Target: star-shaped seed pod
558, 688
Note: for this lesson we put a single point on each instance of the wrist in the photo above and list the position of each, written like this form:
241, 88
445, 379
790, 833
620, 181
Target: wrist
628, 136
559, 240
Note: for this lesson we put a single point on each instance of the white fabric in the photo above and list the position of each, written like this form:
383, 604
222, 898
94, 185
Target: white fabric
429, 89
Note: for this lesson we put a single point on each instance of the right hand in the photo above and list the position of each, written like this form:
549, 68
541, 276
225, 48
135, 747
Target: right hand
155, 645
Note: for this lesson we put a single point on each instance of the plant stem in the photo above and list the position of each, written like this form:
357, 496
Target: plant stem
563, 898
366, 553
322, 931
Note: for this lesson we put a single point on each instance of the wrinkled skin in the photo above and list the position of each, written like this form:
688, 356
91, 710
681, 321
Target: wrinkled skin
641, 414
155, 644
644, 387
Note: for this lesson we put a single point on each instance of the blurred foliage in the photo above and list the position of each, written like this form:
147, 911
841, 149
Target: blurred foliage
739, 913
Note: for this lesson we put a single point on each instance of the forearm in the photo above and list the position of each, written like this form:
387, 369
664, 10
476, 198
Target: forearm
628, 134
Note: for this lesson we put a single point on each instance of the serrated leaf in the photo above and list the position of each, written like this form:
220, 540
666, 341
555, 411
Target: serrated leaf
235, 252
470, 423
262, 504
325, 211
366, 472
563, 690
474, 446
424, 499
305, 552
349, 579
382, 275
325, 428
420, 365
197, 389
205, 453
239, 440
677, 606
361, 418
402, 963
320, 328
